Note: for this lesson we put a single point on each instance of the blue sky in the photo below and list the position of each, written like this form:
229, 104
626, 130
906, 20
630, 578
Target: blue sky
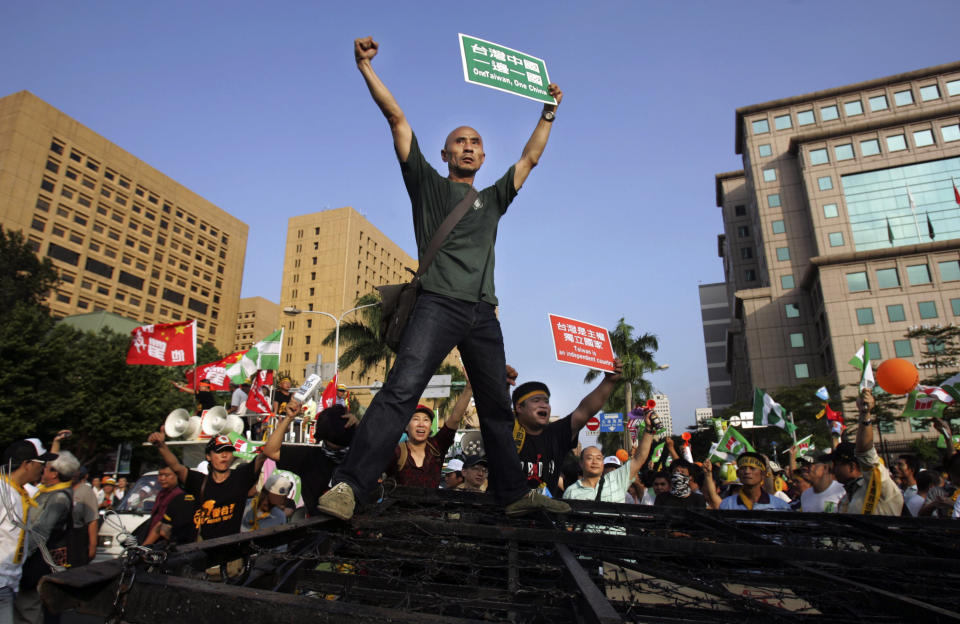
259, 108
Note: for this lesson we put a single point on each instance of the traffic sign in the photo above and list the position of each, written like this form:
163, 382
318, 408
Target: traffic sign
593, 424
611, 422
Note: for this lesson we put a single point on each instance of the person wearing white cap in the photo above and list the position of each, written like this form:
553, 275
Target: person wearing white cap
452, 476
266, 508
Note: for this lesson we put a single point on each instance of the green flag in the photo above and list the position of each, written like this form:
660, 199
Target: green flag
804, 446
923, 406
730, 446
766, 411
861, 362
265, 355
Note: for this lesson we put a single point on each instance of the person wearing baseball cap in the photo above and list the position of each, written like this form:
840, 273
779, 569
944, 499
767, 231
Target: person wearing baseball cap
23, 462
870, 490
474, 474
825, 492
451, 476
222, 493
266, 509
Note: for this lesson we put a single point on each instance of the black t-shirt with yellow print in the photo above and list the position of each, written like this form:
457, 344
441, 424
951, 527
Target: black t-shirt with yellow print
220, 505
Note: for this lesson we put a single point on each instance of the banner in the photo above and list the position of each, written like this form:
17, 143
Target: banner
167, 344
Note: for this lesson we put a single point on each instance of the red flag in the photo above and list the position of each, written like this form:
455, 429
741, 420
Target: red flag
329, 396
832, 415
215, 372
257, 402
168, 344
956, 193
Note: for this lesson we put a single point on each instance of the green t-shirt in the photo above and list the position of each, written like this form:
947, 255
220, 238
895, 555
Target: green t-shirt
463, 268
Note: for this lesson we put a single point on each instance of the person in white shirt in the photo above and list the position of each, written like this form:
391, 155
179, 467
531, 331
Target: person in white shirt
23, 463
825, 493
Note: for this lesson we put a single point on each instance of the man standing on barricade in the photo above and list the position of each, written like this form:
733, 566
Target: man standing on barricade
456, 307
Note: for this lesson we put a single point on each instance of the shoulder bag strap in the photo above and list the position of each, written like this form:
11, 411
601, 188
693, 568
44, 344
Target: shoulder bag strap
600, 487
445, 228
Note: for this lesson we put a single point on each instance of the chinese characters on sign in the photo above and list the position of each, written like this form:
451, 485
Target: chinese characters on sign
169, 344
581, 343
498, 67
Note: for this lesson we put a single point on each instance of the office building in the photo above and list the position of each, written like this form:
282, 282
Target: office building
663, 411
124, 237
332, 258
704, 418
715, 319
842, 226
257, 318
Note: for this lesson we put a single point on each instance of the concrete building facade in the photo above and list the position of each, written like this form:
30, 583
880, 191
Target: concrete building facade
715, 319
842, 226
332, 258
704, 418
663, 411
257, 318
124, 237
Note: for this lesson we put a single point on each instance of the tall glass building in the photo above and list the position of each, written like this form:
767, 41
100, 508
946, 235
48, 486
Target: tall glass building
843, 226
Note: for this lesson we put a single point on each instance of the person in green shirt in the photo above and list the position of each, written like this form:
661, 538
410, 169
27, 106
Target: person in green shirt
456, 308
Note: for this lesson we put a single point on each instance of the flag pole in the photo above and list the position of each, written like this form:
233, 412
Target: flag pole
913, 211
793, 431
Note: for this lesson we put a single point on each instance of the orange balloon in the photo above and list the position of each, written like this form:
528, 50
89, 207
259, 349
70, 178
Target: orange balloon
897, 376
622, 455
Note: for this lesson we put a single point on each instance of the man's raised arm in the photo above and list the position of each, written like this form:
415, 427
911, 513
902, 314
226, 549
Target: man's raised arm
364, 50
538, 140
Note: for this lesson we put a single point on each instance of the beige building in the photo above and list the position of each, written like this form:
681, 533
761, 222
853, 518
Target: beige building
125, 238
842, 227
257, 318
332, 258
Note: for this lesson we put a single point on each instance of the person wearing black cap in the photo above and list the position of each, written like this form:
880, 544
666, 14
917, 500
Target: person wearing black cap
314, 464
542, 445
825, 493
23, 463
456, 306
221, 493
474, 474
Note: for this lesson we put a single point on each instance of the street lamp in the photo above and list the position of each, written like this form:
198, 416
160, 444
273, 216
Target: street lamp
292, 311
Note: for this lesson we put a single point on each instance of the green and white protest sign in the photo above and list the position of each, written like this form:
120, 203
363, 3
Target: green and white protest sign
505, 69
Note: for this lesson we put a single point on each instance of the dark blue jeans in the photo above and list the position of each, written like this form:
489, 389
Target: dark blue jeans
437, 325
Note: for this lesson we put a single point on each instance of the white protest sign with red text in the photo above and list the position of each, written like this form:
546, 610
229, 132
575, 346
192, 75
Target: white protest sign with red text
581, 343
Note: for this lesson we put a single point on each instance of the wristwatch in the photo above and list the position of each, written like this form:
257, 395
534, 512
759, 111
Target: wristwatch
548, 116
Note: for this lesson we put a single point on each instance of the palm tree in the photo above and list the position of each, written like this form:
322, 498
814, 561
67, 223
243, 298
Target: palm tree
636, 355
363, 339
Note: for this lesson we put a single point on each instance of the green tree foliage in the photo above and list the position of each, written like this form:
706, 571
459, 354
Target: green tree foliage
362, 338
636, 355
939, 351
24, 278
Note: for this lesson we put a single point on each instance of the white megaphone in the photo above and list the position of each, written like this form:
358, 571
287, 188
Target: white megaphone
176, 423
214, 420
234, 423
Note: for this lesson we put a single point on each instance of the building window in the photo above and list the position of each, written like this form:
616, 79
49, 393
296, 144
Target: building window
843, 152
782, 122
949, 271
746, 253
918, 274
773, 200
743, 231
792, 310
874, 348
829, 113
896, 313
765, 150
927, 309
903, 98
929, 92
896, 143
819, 156
805, 118
950, 133
786, 282
778, 227
830, 211
760, 126
887, 278
953, 88
864, 316
796, 341
801, 371
750, 275
902, 348
836, 239
769, 175
923, 138
878, 103
825, 183
857, 282
852, 109
739, 210
870, 147
955, 306
783, 253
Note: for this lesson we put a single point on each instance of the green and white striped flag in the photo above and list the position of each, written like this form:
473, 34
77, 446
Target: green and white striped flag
265, 355
861, 362
730, 446
766, 411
